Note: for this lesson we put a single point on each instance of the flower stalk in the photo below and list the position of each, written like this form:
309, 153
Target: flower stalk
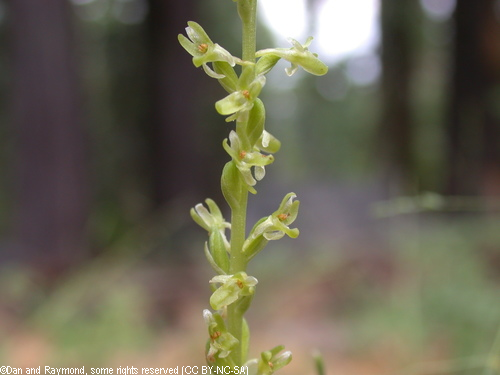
251, 149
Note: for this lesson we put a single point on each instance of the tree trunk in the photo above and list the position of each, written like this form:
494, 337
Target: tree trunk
399, 25
173, 134
51, 188
473, 132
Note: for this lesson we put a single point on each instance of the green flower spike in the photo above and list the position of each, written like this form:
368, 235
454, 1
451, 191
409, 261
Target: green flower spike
232, 288
245, 160
275, 226
203, 50
240, 102
298, 55
221, 342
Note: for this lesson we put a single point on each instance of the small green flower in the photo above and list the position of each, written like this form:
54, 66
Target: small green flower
245, 160
269, 362
232, 288
240, 102
275, 226
213, 222
221, 342
298, 55
211, 219
203, 50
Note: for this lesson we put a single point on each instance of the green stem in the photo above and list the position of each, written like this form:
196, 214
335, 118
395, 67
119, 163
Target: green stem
238, 263
247, 9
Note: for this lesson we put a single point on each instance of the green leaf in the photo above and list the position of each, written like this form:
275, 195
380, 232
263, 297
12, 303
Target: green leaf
211, 261
256, 120
266, 63
232, 184
230, 80
245, 340
218, 250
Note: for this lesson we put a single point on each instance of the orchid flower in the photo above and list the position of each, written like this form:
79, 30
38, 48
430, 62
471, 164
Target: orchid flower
245, 160
240, 102
298, 55
203, 50
221, 341
276, 225
232, 288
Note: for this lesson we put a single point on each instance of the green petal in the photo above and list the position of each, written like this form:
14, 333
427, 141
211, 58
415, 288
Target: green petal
292, 213
212, 73
197, 33
260, 172
231, 103
225, 295
230, 80
266, 63
247, 174
256, 158
214, 209
282, 360
187, 45
256, 86
198, 220
273, 236
205, 215
286, 203
291, 70
269, 143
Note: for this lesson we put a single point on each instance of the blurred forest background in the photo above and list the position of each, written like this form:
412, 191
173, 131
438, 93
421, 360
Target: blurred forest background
109, 136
